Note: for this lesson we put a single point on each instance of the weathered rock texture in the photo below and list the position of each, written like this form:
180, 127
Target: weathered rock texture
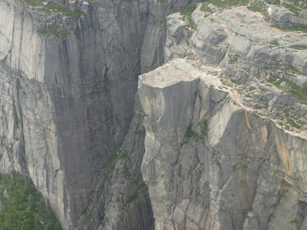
251, 53
152, 53
67, 100
73, 118
209, 164
284, 16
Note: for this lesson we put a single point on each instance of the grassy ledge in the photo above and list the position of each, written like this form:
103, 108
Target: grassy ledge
296, 91
53, 30
67, 12
187, 13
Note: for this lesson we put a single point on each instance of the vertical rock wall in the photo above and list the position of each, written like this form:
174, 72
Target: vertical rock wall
68, 100
209, 164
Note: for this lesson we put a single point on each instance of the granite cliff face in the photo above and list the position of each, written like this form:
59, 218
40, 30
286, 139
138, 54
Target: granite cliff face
221, 150
210, 164
68, 98
208, 141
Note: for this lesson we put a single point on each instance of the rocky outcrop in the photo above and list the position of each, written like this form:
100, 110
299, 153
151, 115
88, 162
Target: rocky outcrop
218, 151
263, 63
284, 16
210, 164
152, 52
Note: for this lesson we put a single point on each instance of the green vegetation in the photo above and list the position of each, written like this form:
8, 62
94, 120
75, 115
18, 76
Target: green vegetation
258, 6
296, 27
233, 58
286, 111
54, 7
67, 12
140, 133
24, 208
53, 30
235, 82
103, 223
292, 8
204, 130
223, 3
296, 91
33, 3
272, 216
189, 132
50, 8
187, 13
126, 172
294, 70
293, 124
256, 115
117, 155
132, 198
295, 221
205, 8
191, 135
112, 159
299, 47
125, 156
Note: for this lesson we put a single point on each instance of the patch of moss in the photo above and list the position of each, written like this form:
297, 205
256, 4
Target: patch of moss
235, 82
296, 91
140, 133
187, 12
50, 31
189, 132
132, 198
292, 8
296, 27
33, 3
225, 3
191, 135
258, 6
205, 8
233, 58
126, 172
67, 12
299, 47
293, 124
